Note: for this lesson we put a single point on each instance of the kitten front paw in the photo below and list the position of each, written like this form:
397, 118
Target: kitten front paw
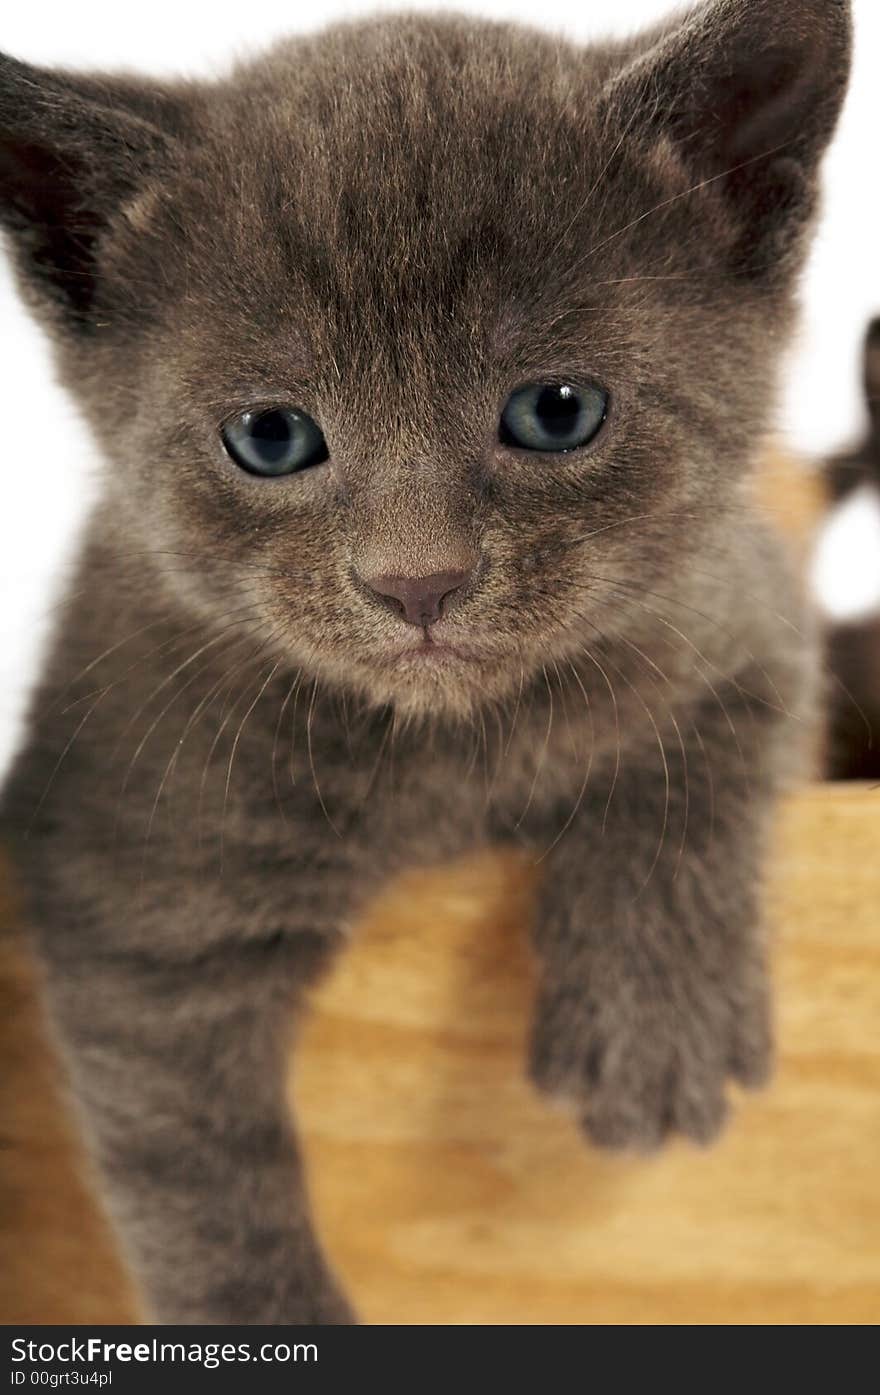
636, 1067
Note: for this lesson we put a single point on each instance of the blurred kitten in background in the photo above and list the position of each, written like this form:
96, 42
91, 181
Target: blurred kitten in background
853, 742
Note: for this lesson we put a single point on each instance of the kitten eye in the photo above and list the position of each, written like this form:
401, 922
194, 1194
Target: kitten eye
279, 441
551, 417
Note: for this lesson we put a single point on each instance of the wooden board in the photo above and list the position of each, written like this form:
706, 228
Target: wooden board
447, 1192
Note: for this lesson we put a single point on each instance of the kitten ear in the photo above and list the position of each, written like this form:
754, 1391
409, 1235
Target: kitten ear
73, 151
749, 92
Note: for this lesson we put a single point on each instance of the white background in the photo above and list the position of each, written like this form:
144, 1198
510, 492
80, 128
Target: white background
45, 457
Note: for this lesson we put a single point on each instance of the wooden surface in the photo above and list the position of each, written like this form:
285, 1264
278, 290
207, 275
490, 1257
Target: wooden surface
447, 1192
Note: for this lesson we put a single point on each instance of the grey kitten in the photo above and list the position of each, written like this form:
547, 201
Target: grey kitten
428, 359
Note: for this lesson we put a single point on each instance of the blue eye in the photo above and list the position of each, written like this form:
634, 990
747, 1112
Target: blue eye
275, 442
551, 417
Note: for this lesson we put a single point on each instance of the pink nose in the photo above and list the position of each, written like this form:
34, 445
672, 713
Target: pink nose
420, 600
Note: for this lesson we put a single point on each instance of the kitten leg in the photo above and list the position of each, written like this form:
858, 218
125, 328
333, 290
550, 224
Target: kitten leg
179, 1072
654, 989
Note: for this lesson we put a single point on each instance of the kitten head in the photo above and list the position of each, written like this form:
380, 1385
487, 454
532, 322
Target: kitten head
420, 337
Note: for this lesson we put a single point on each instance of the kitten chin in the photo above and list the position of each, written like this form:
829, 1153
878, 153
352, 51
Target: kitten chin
430, 682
